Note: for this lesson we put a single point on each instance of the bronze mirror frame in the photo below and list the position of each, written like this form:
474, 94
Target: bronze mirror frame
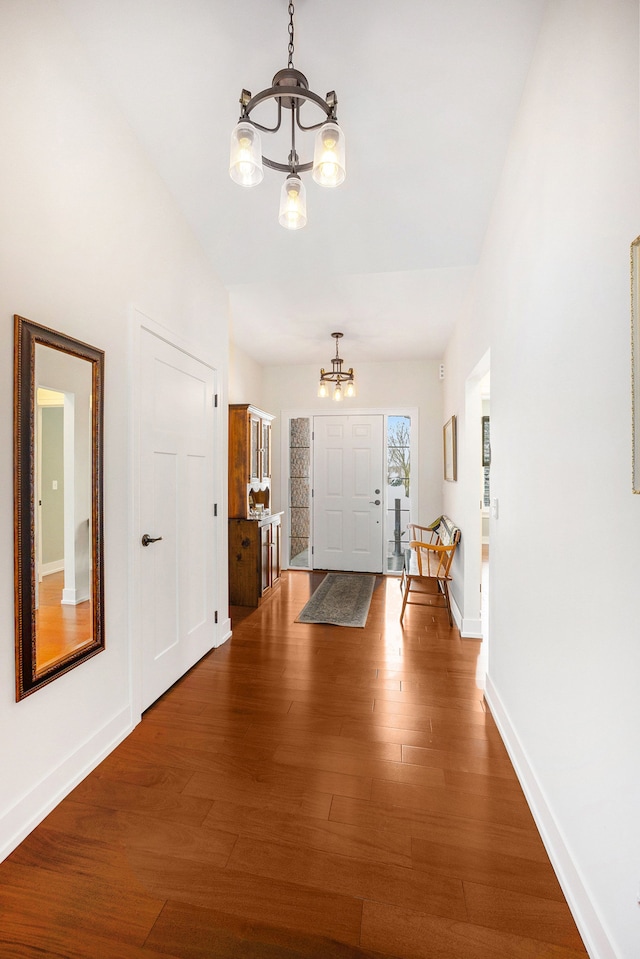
28, 335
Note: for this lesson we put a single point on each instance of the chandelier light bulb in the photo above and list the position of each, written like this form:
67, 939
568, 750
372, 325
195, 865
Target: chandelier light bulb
293, 203
337, 393
350, 389
245, 161
323, 389
328, 158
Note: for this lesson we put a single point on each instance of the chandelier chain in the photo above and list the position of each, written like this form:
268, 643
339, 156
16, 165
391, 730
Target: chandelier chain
290, 63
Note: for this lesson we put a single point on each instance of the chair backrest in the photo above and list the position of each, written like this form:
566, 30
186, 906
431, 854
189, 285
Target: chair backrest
442, 531
437, 562
448, 533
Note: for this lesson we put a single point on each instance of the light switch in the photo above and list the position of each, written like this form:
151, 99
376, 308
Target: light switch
54, 484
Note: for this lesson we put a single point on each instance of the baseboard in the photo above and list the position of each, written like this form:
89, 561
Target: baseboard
468, 628
225, 632
455, 612
471, 629
70, 597
29, 811
589, 924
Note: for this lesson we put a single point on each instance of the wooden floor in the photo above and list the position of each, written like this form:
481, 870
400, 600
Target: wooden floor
60, 629
305, 791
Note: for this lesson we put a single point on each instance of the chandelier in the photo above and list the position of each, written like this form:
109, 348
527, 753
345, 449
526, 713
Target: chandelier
290, 90
337, 377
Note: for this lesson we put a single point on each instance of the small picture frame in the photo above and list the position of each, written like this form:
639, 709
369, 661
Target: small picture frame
449, 439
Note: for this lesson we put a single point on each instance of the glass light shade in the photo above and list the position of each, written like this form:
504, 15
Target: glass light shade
293, 203
337, 393
323, 389
350, 389
245, 160
328, 157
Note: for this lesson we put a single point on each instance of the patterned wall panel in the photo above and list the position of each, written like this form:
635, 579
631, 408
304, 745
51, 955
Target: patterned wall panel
299, 502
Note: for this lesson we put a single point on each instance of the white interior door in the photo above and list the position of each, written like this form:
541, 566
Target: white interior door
176, 509
348, 505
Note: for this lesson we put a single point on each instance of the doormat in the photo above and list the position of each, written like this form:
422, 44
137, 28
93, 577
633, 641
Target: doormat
340, 600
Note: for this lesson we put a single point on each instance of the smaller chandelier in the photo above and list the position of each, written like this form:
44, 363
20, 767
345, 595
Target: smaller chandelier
290, 91
337, 377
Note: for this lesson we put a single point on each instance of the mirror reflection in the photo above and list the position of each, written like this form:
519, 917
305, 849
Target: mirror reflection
63, 505
58, 497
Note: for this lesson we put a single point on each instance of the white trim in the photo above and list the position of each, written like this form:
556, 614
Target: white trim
471, 629
590, 926
70, 597
225, 632
31, 808
468, 628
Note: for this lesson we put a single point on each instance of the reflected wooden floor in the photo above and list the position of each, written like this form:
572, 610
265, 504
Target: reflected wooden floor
60, 629
305, 791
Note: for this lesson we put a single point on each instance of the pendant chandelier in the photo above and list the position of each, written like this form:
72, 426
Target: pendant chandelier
337, 377
290, 90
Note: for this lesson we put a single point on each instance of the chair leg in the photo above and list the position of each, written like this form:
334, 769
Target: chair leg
405, 596
445, 591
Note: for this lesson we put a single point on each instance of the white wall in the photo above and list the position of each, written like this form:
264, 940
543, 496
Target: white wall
245, 377
551, 302
380, 386
89, 233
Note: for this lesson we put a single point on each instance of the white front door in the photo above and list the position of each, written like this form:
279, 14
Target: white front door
177, 572
347, 493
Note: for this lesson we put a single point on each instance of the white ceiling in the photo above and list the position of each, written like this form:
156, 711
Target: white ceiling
428, 92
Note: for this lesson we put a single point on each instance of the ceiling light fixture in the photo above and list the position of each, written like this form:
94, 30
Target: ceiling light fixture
337, 377
290, 90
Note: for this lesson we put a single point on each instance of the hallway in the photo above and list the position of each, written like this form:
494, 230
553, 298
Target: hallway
305, 791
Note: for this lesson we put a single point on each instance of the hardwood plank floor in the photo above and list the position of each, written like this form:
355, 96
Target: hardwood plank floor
61, 629
305, 792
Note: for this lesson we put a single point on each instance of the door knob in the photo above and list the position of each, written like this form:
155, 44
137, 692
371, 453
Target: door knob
375, 502
146, 539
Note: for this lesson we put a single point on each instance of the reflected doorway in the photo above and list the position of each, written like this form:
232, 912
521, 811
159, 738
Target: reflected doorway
62, 587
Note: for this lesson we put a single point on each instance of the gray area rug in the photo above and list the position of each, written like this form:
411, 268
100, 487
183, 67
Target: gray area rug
341, 599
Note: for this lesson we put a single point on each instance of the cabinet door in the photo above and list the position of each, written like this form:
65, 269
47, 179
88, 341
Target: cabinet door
266, 449
265, 557
276, 553
255, 438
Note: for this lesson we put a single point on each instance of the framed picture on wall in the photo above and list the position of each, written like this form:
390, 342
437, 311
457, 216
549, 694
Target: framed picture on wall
450, 450
635, 365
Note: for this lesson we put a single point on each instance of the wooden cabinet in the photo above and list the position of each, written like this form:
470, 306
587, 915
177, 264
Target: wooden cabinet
254, 540
249, 459
254, 558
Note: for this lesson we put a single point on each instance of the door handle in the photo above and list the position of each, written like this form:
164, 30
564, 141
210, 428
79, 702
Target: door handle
374, 502
147, 540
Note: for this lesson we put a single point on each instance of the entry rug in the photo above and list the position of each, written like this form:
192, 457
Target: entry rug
340, 600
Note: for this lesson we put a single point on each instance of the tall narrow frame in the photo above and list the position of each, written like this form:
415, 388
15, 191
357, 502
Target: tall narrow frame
28, 336
635, 365
450, 450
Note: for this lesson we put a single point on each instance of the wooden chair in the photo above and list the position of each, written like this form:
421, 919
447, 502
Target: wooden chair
427, 563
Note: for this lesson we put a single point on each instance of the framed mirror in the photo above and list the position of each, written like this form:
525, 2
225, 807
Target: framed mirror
635, 365
58, 522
